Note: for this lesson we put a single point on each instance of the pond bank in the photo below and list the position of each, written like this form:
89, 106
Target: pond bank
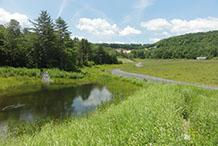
59, 100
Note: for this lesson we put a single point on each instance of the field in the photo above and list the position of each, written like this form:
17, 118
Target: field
150, 114
203, 72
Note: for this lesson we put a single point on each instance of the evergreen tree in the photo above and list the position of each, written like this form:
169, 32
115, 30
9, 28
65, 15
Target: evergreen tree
47, 45
63, 37
44, 46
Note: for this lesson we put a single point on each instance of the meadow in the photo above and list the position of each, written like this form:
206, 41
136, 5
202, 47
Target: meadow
194, 71
144, 114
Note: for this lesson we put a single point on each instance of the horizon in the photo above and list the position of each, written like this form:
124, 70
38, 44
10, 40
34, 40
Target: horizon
129, 22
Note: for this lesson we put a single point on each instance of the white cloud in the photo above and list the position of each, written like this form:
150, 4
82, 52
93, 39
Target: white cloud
102, 27
6, 16
179, 26
77, 36
97, 26
156, 24
196, 25
129, 31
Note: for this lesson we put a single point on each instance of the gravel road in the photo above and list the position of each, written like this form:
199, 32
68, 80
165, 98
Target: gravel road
121, 73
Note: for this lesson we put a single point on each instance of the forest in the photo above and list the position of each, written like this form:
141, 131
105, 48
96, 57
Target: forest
188, 46
48, 44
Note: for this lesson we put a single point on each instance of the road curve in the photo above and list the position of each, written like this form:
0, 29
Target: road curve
121, 73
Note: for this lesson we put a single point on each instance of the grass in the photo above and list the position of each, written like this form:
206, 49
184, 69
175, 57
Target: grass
19, 83
203, 72
150, 114
154, 115
20, 79
24, 72
13, 81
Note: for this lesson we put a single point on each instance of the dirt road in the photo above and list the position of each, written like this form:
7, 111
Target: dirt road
121, 73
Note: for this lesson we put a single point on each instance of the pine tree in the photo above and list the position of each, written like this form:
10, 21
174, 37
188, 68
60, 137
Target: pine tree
63, 39
44, 46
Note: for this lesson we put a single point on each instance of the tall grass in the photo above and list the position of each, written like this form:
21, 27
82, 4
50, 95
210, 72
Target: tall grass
148, 117
13, 80
54, 73
152, 116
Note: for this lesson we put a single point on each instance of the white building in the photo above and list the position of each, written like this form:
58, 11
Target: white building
125, 51
201, 58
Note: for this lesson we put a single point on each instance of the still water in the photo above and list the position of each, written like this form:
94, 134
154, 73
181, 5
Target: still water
53, 103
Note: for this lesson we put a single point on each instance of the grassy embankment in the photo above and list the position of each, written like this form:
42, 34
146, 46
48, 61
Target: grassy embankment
203, 72
15, 79
154, 115
21, 81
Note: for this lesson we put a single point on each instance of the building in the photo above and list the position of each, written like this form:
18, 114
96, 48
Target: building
124, 51
201, 58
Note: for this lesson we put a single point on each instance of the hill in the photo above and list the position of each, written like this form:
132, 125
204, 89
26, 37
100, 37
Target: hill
187, 46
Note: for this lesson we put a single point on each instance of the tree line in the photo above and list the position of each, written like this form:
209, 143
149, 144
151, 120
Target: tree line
189, 46
47, 44
126, 46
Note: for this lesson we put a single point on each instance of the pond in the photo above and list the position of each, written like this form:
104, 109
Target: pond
51, 103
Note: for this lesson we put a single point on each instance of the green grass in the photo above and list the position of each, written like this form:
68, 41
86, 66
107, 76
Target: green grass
20, 79
24, 72
204, 72
150, 114
21, 83
14, 80
154, 115
125, 60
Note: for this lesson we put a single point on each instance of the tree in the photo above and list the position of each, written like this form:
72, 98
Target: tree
84, 52
44, 45
47, 45
70, 59
14, 54
27, 44
99, 56
62, 29
102, 55
3, 56
63, 42
188, 46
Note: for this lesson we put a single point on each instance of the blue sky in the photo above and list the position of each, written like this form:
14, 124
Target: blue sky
127, 21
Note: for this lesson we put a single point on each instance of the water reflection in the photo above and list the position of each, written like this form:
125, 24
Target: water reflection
3, 129
27, 116
53, 103
96, 97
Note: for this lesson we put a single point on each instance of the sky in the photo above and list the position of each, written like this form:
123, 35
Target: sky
119, 21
